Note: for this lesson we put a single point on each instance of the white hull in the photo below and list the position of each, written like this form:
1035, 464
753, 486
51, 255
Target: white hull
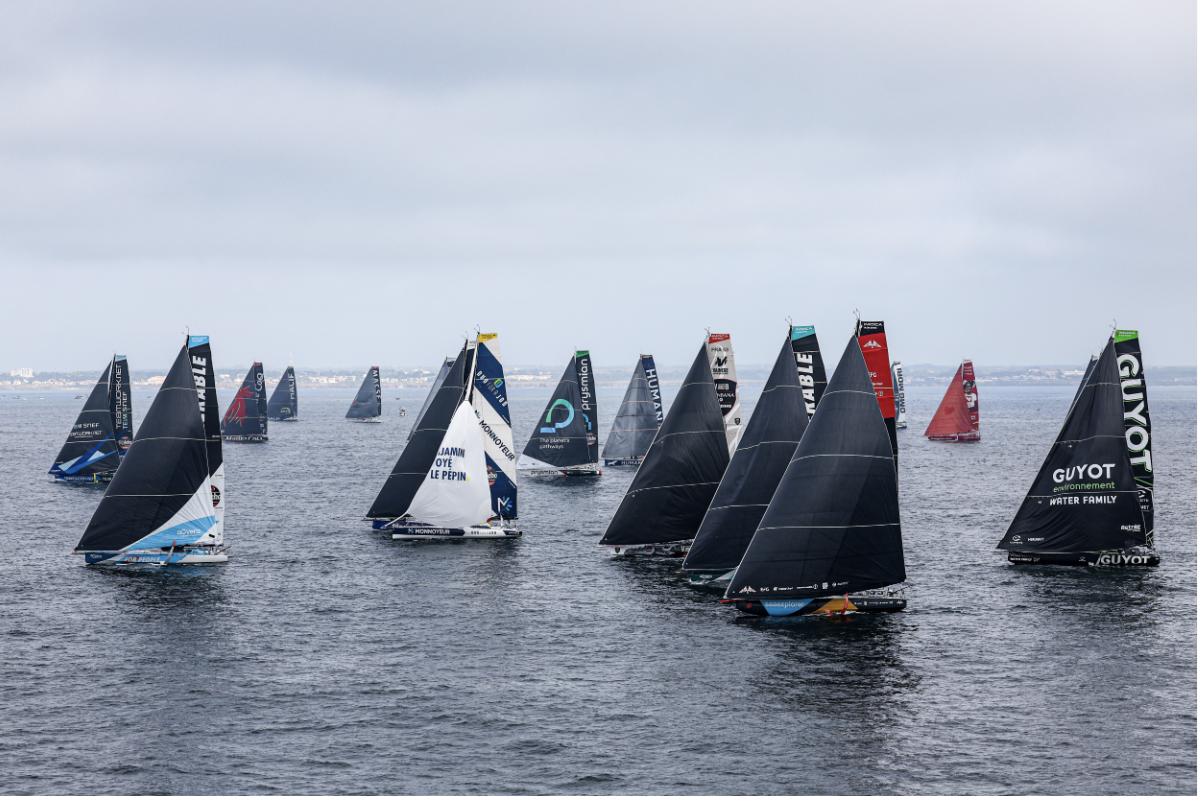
187, 555
365, 420
477, 532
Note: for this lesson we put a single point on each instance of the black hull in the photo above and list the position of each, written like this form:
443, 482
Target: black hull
1109, 558
825, 606
245, 438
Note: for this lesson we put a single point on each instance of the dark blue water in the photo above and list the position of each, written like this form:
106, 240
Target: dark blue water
326, 658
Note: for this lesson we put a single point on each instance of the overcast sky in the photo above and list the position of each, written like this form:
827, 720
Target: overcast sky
363, 183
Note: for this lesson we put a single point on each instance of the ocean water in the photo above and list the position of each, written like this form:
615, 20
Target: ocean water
327, 658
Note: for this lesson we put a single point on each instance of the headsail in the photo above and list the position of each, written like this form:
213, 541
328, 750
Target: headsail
244, 420
833, 525
1084, 499
810, 363
1137, 426
723, 371
161, 495
766, 448
445, 366
260, 394
494, 417
956, 419
90, 452
418, 456
284, 404
203, 372
559, 439
588, 402
120, 402
871, 336
368, 403
674, 485
900, 395
638, 418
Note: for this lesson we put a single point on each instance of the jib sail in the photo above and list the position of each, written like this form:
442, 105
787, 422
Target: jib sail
900, 395
766, 448
588, 402
1084, 499
833, 524
871, 336
368, 402
284, 404
674, 485
559, 439
810, 363
1137, 426
723, 371
956, 419
161, 495
203, 372
244, 420
639, 416
90, 452
494, 417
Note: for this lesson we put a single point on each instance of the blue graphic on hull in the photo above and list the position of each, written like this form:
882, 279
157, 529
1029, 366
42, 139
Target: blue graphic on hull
784, 607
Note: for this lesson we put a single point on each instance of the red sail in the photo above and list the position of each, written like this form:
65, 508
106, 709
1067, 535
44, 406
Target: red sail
871, 336
957, 418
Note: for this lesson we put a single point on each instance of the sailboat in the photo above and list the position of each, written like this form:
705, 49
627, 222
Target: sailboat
102, 432
441, 374
900, 395
161, 505
283, 403
245, 419
563, 441
1137, 425
723, 371
1084, 505
810, 363
765, 449
956, 419
638, 418
871, 336
489, 399
669, 495
439, 488
830, 541
368, 403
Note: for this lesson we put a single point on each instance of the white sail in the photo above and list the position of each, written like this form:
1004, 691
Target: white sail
723, 371
188, 525
216, 536
455, 492
900, 396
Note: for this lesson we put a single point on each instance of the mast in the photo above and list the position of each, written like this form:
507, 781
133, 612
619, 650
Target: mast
770, 439
674, 485
90, 452
559, 439
871, 335
494, 418
833, 524
1137, 425
723, 372
810, 363
1084, 499
161, 496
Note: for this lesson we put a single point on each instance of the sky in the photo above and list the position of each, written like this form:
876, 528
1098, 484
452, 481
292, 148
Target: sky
365, 183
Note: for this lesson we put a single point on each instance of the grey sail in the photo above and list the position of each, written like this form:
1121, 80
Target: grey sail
441, 374
637, 420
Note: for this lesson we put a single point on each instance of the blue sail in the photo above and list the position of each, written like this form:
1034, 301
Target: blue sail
491, 404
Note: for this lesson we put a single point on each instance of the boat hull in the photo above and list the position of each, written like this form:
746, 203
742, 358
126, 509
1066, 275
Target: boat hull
710, 577
187, 555
955, 437
365, 419
416, 530
244, 438
823, 606
98, 478
669, 550
1143, 557
586, 471
635, 462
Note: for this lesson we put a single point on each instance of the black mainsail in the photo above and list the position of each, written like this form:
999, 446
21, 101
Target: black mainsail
832, 527
368, 403
284, 404
245, 419
1083, 506
91, 453
674, 485
441, 374
160, 498
560, 441
638, 418
761, 457
1137, 425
